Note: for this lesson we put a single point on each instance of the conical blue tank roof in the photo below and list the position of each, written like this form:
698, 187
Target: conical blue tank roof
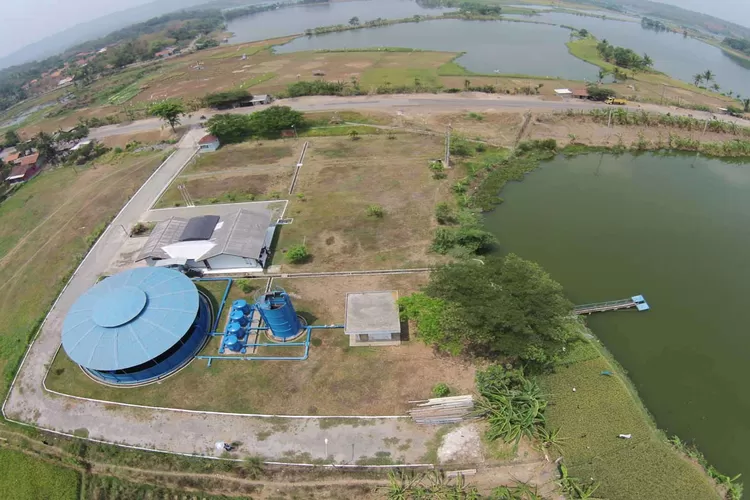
130, 318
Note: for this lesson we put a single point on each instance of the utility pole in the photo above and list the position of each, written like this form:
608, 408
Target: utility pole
448, 131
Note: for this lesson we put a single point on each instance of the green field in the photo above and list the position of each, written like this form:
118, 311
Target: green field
591, 418
46, 228
26, 478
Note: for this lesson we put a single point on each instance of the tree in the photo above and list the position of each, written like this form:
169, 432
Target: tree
44, 145
746, 104
602, 74
716, 87
647, 61
600, 93
508, 307
169, 111
11, 138
354, 21
230, 128
271, 121
698, 79
708, 75
354, 135
583, 33
297, 254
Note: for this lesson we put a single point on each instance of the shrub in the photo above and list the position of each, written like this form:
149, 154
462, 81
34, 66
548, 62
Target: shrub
118, 150
245, 285
297, 254
444, 214
375, 211
441, 390
460, 147
600, 93
317, 87
438, 169
354, 135
138, 229
476, 116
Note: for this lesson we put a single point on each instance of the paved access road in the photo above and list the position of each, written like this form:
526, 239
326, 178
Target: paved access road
410, 102
174, 430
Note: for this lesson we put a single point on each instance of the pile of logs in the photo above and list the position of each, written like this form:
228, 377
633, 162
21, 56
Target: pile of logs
442, 410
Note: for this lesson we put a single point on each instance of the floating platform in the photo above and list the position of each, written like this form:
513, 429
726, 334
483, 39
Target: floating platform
637, 301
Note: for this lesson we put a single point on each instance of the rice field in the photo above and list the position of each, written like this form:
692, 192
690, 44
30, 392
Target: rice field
592, 409
26, 478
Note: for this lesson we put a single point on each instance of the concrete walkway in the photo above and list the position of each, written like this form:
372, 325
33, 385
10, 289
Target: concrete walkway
177, 430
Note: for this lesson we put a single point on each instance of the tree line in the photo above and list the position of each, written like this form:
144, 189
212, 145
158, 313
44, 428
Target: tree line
622, 57
738, 44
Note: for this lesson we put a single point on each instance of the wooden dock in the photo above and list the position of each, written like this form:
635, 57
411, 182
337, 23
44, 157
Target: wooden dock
637, 301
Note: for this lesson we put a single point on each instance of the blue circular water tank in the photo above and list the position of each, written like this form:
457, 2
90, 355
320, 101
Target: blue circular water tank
278, 312
238, 316
233, 343
241, 305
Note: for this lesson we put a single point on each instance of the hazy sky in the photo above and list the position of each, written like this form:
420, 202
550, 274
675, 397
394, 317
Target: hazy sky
737, 11
26, 21
52, 16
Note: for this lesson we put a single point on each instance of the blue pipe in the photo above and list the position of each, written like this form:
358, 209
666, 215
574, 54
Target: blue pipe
223, 299
268, 358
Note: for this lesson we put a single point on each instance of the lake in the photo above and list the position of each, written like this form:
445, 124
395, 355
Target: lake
510, 47
293, 20
674, 229
672, 53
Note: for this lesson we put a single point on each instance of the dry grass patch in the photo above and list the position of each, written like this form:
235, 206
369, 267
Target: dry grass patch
341, 178
237, 173
335, 380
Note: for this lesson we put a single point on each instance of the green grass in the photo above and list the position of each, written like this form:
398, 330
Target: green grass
125, 94
42, 239
256, 80
340, 130
26, 478
591, 418
452, 68
399, 77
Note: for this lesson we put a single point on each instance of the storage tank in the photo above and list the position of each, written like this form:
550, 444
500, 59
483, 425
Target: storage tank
278, 313
237, 316
241, 305
236, 329
232, 343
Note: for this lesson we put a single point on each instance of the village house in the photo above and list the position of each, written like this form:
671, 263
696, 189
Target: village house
24, 168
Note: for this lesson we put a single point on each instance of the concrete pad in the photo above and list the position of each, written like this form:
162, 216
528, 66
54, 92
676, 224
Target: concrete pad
372, 313
277, 207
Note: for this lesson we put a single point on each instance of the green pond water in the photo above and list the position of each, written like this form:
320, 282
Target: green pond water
677, 230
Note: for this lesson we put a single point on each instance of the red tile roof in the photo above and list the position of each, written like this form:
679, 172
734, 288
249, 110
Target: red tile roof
28, 160
208, 139
12, 157
580, 93
18, 171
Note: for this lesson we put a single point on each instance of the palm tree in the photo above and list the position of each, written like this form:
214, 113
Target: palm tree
746, 103
602, 74
647, 61
708, 75
716, 87
698, 79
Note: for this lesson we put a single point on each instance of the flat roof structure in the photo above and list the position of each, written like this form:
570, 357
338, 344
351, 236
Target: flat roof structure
137, 327
372, 313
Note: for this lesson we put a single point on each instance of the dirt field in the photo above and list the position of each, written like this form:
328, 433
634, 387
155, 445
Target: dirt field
43, 232
236, 173
335, 380
341, 178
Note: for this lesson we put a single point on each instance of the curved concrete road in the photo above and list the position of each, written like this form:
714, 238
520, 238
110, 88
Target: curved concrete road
469, 101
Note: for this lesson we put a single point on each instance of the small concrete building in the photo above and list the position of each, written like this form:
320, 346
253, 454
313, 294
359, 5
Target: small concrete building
209, 144
372, 319
237, 242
